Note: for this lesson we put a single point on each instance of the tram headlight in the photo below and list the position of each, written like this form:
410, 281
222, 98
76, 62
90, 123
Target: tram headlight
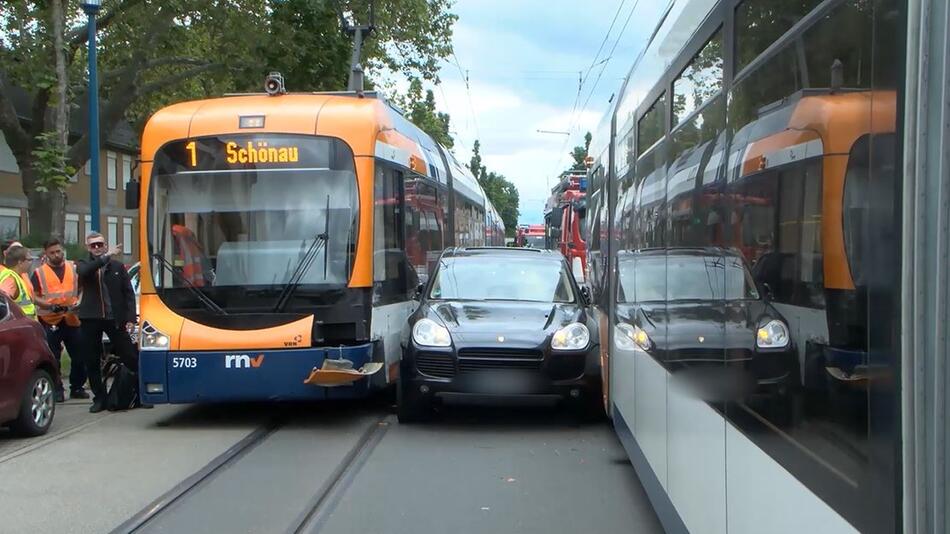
152, 339
629, 337
429, 333
574, 336
773, 335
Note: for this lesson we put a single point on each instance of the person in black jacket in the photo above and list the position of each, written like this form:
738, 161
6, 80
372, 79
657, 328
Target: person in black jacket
107, 306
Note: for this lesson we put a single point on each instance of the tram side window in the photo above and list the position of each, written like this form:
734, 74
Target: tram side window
391, 268
651, 127
423, 225
700, 81
759, 24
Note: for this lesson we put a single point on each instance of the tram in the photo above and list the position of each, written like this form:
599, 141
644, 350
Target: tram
763, 139
283, 238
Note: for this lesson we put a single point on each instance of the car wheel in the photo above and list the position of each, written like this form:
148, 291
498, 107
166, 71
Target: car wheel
411, 406
37, 407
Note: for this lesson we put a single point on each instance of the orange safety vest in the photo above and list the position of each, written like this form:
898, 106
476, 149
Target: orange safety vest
63, 292
192, 256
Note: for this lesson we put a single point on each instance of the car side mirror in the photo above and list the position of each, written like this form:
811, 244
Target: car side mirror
417, 294
132, 190
585, 292
767, 289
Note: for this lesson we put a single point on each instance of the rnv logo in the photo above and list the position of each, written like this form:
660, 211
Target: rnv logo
242, 361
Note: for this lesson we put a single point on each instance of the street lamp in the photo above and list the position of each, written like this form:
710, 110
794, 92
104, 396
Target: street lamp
92, 7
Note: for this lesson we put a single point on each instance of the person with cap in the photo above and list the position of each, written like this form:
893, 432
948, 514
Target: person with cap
56, 289
97, 316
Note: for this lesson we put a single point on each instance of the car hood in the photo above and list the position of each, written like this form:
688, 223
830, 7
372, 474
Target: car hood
692, 326
521, 323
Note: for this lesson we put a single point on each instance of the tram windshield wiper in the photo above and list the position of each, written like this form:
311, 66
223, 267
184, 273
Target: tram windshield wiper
319, 242
204, 299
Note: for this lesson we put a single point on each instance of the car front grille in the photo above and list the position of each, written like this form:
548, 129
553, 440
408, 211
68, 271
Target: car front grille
501, 354
436, 365
469, 365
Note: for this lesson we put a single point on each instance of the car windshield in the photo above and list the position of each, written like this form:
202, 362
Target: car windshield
685, 277
502, 278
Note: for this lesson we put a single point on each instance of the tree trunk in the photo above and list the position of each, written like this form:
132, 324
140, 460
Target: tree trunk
57, 199
47, 210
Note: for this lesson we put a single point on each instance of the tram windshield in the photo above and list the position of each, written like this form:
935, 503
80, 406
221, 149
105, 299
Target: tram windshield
255, 227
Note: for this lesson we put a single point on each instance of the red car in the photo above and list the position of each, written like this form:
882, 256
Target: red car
28, 373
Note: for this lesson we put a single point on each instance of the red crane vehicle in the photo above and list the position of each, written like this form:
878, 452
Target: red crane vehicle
564, 219
531, 235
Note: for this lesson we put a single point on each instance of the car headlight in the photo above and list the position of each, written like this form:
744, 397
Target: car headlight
629, 337
429, 333
774, 335
152, 339
574, 336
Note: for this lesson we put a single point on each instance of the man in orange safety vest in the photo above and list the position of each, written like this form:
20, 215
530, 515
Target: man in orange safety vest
56, 289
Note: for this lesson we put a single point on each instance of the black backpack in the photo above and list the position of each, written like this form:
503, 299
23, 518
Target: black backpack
123, 393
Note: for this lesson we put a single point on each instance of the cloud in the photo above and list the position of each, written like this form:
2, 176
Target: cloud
521, 61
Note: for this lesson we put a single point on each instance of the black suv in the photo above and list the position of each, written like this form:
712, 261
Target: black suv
499, 324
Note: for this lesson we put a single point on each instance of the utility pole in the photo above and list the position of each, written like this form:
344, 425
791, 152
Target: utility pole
358, 33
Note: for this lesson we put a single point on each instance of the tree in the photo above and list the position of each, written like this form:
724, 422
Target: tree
475, 165
421, 111
500, 192
155, 53
580, 154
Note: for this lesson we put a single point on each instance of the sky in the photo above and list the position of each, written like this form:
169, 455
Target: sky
523, 59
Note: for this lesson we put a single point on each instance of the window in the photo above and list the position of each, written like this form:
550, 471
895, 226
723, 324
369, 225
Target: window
9, 223
392, 272
126, 170
72, 228
495, 278
87, 225
651, 128
112, 225
110, 170
88, 167
127, 235
699, 81
759, 24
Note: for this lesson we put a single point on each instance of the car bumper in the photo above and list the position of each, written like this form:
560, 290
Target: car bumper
487, 381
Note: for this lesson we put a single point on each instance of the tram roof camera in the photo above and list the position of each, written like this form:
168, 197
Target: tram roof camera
274, 84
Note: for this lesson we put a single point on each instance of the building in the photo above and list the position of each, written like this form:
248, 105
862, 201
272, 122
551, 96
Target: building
118, 165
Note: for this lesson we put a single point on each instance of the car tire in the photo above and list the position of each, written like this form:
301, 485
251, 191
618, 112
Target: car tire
411, 406
37, 406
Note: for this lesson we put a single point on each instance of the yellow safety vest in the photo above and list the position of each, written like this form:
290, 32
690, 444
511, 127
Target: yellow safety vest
23, 294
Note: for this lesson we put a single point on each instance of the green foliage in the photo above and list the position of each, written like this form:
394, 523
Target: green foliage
502, 193
475, 165
420, 109
580, 153
49, 162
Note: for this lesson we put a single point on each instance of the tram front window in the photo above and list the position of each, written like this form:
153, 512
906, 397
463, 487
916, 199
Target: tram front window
226, 232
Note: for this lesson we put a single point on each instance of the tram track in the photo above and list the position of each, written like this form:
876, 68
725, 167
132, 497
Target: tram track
232, 455
161, 514
312, 519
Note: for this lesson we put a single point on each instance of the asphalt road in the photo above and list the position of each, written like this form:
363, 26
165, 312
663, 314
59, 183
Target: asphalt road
329, 468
